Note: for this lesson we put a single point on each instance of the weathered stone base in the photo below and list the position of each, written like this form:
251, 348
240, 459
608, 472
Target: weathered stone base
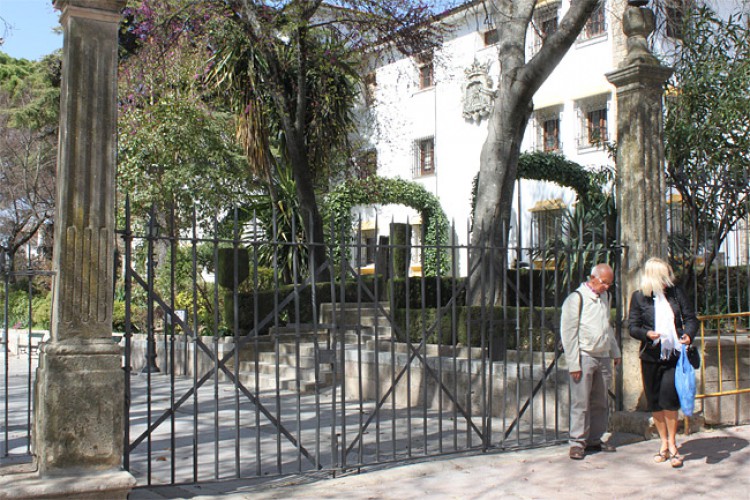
640, 423
105, 485
79, 407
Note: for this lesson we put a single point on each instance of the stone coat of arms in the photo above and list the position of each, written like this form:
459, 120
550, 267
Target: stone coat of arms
478, 93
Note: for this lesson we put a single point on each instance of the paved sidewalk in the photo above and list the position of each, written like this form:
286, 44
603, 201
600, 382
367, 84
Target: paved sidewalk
717, 465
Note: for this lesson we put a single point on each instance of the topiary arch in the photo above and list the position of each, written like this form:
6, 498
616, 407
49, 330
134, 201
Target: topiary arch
384, 190
548, 167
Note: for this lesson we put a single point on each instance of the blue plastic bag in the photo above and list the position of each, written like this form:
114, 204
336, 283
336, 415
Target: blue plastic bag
684, 382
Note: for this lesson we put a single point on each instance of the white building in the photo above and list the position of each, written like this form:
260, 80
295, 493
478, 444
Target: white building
426, 117
425, 121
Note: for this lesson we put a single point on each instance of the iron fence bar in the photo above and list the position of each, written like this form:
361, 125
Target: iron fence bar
409, 346
384, 397
489, 357
531, 346
341, 441
6, 368
30, 321
169, 363
507, 284
378, 266
360, 387
438, 305
316, 350
195, 420
542, 336
519, 257
150, 350
298, 339
215, 340
236, 328
424, 339
128, 241
256, 357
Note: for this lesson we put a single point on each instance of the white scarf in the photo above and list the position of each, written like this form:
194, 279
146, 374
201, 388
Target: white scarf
664, 325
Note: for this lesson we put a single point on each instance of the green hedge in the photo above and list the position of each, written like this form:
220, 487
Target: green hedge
471, 323
266, 301
535, 285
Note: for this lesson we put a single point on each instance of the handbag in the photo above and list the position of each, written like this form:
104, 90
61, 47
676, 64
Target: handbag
684, 382
694, 357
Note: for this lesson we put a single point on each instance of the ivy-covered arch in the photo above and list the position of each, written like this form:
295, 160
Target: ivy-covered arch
552, 167
384, 190
556, 168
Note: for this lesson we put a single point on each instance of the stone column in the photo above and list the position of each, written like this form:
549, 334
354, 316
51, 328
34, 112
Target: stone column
640, 172
80, 383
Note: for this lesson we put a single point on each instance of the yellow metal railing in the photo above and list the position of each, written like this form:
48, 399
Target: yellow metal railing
720, 333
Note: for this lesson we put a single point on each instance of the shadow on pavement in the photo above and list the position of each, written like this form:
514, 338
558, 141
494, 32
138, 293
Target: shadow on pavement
712, 449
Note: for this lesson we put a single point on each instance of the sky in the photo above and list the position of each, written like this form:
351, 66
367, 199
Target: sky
29, 35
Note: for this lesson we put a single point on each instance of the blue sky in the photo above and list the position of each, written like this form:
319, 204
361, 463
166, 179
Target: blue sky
31, 22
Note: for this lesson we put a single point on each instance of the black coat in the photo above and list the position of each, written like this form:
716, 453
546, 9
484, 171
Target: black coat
641, 320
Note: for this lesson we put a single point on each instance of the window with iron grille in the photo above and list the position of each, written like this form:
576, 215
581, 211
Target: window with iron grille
545, 23
491, 37
593, 120
424, 163
547, 218
596, 126
551, 134
426, 70
371, 85
596, 25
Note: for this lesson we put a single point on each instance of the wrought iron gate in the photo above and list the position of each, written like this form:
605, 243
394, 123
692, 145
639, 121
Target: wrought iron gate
20, 341
305, 375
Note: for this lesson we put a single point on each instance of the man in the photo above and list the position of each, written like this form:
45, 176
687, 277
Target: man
590, 345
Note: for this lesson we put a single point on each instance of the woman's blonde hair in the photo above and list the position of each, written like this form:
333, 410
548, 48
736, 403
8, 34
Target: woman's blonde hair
656, 275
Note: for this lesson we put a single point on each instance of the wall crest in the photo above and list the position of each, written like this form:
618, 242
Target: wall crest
478, 93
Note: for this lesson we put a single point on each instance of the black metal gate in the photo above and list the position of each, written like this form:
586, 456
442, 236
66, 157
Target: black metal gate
266, 370
23, 329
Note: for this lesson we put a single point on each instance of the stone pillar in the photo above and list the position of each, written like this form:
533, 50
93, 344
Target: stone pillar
640, 172
79, 419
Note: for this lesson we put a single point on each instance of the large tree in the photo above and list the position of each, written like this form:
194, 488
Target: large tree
520, 78
293, 55
707, 134
29, 108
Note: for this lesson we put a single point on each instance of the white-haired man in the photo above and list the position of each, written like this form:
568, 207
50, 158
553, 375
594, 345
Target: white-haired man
590, 346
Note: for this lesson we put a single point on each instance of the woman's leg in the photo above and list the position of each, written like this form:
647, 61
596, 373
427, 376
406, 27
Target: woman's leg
670, 416
661, 427
672, 422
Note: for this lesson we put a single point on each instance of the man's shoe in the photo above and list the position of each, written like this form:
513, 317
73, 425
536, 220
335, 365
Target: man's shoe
576, 453
605, 447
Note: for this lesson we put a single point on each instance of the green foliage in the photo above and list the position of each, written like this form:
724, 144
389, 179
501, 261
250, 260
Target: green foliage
176, 147
588, 232
707, 134
29, 109
297, 311
41, 311
551, 167
383, 190
118, 316
277, 213
474, 326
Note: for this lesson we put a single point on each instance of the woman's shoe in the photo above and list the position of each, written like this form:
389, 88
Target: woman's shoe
676, 460
661, 457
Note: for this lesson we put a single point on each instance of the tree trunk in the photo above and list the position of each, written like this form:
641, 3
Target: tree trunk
512, 107
312, 220
497, 175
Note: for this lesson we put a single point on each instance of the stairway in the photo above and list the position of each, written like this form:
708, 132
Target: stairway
287, 359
